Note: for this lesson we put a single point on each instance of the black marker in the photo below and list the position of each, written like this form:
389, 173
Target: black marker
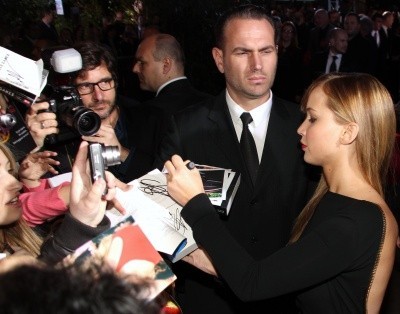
190, 165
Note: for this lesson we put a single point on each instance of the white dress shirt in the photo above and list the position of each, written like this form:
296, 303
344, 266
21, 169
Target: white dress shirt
258, 127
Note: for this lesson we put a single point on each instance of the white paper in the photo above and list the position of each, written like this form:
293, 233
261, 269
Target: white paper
59, 179
22, 72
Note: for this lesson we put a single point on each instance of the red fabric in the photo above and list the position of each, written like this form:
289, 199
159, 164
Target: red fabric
42, 203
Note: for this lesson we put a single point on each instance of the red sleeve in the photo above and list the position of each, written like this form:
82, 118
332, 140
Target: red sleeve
40, 203
44, 184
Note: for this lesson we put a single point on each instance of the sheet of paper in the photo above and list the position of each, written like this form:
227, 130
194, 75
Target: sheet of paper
22, 72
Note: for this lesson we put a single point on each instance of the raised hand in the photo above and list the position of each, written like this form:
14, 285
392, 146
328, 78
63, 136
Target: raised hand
86, 202
35, 165
40, 124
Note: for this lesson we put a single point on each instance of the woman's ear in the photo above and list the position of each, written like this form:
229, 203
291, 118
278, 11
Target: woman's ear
350, 132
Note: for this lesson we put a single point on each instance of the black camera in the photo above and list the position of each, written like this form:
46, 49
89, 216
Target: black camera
64, 101
100, 158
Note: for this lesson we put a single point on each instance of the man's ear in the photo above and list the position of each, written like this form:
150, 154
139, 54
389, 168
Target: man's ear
218, 58
167, 65
349, 134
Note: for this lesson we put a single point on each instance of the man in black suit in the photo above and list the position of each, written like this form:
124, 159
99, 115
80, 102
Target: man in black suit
47, 30
160, 66
360, 51
263, 212
133, 128
318, 36
333, 59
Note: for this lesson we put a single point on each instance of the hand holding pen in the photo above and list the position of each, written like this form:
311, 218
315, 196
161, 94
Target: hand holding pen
184, 180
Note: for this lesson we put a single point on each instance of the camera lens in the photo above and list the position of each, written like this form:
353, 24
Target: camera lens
7, 121
111, 155
87, 122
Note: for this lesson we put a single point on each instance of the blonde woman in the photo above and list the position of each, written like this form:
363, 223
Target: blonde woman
341, 253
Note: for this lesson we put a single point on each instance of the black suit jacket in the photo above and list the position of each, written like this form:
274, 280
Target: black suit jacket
261, 218
319, 61
144, 129
361, 54
176, 96
47, 32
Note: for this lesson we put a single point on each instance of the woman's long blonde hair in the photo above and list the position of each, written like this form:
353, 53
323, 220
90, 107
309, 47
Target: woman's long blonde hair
18, 233
362, 99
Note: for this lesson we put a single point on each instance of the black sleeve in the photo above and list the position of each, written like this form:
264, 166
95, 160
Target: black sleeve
70, 235
321, 254
170, 144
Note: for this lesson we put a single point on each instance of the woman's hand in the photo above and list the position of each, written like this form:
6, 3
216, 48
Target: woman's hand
201, 260
35, 165
183, 184
87, 204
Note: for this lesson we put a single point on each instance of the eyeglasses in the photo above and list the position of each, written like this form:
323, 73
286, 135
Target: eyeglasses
88, 88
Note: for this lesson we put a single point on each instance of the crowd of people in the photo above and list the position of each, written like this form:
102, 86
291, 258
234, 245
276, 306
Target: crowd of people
307, 116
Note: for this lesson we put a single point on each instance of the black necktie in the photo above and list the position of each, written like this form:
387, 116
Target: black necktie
248, 147
333, 67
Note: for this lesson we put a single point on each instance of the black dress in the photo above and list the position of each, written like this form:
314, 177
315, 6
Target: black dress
330, 267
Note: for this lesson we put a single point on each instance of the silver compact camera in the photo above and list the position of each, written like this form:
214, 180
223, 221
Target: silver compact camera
100, 158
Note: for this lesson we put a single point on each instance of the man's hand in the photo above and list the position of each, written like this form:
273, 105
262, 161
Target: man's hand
40, 124
106, 135
35, 165
86, 202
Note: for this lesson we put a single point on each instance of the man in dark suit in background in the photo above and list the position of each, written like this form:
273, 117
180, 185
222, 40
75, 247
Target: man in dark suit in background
360, 51
47, 30
334, 59
160, 66
263, 212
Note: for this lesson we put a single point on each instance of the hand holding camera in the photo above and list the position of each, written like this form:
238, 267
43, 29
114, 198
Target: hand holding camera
106, 136
87, 202
41, 122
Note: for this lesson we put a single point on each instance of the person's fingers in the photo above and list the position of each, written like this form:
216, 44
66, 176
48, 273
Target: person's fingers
94, 195
118, 206
47, 116
169, 167
51, 162
51, 130
46, 123
95, 138
111, 186
123, 186
81, 156
48, 153
177, 161
52, 170
34, 108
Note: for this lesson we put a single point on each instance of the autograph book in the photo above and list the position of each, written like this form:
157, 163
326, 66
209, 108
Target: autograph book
159, 215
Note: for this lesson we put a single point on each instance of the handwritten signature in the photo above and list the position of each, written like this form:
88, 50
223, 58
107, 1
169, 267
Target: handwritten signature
153, 187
